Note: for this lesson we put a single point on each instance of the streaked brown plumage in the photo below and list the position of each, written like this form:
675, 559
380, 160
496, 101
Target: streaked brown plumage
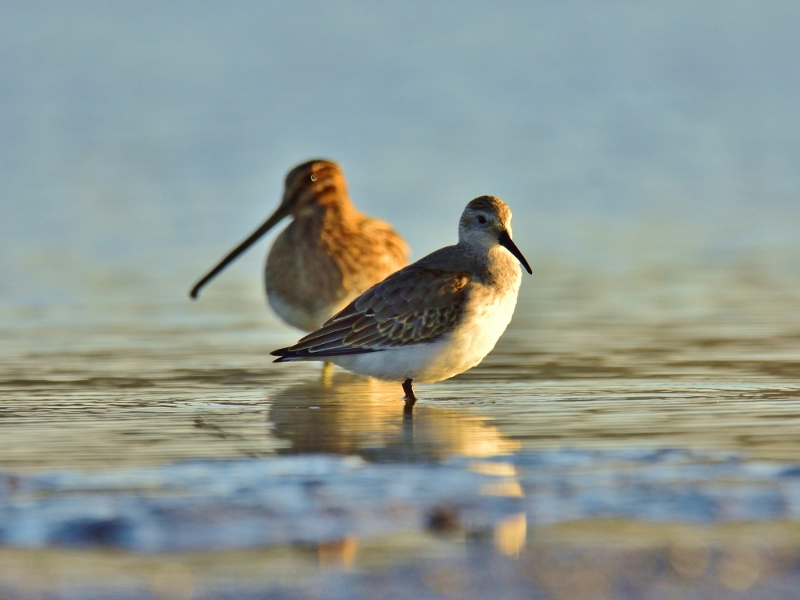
328, 255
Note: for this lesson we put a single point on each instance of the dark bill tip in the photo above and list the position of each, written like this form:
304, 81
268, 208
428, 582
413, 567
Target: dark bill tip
273, 220
506, 242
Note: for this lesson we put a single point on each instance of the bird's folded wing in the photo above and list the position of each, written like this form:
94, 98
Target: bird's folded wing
414, 305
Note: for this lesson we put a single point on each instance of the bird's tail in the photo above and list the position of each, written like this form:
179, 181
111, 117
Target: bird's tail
285, 355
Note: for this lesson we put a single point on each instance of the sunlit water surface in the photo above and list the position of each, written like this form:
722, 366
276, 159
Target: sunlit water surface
651, 416
635, 433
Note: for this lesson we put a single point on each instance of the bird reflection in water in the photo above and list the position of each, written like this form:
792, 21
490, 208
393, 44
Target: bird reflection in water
353, 415
350, 414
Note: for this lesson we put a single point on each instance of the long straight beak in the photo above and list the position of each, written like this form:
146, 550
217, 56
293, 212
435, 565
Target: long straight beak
506, 242
281, 213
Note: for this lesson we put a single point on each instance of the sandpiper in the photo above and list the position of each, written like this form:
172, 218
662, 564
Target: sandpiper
433, 319
328, 255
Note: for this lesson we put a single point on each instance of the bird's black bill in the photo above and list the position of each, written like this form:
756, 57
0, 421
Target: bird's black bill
281, 213
506, 242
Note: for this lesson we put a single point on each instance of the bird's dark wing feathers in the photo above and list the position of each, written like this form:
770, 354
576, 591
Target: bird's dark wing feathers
413, 306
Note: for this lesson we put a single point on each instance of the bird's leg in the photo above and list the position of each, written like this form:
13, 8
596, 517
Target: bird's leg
327, 373
410, 397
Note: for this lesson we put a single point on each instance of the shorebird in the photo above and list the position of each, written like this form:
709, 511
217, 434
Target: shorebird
433, 319
328, 255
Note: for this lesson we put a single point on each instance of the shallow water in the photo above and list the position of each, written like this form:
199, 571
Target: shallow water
625, 418
633, 435
588, 362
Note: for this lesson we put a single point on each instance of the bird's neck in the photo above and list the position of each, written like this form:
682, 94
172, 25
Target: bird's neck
338, 214
331, 209
329, 220
495, 266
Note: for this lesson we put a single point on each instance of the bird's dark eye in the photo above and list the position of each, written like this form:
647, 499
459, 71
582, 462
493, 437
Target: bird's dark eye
313, 178
481, 219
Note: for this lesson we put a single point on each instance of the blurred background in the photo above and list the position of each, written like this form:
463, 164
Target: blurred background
148, 138
635, 432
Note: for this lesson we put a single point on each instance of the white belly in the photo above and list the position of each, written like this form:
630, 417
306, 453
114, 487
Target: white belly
486, 317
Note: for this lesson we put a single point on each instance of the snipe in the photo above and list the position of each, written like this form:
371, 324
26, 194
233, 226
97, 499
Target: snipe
328, 255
